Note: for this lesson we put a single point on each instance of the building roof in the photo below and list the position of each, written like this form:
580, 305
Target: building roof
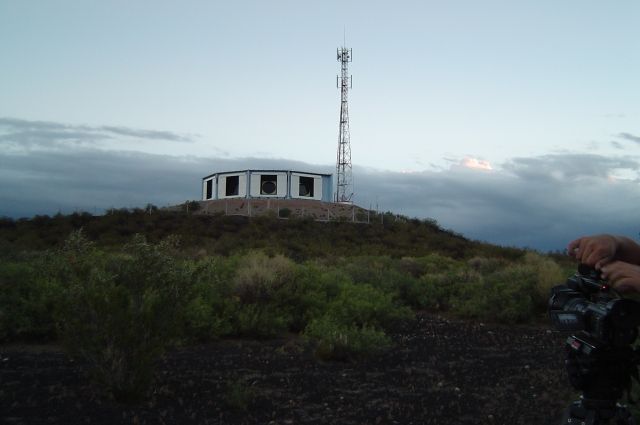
268, 171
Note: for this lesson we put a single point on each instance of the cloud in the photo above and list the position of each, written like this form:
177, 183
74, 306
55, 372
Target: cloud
630, 137
540, 202
89, 179
568, 167
147, 134
24, 134
478, 164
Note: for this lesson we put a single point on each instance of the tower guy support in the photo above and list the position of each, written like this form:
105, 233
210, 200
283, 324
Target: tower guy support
344, 188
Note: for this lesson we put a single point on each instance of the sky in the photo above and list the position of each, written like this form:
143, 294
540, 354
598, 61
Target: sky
515, 123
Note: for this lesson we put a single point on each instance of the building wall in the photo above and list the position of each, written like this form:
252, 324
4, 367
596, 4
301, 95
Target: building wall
225, 180
209, 188
261, 180
268, 184
327, 188
300, 186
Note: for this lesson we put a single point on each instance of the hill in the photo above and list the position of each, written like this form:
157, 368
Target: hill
379, 303
299, 238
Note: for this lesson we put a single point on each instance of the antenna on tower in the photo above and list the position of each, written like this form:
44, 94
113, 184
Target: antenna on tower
344, 187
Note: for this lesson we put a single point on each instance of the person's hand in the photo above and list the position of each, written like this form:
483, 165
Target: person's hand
623, 277
594, 251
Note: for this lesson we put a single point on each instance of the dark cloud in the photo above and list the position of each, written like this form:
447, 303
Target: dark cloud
147, 134
567, 167
18, 133
45, 182
540, 202
630, 137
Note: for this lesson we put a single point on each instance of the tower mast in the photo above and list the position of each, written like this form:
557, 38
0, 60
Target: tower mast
344, 187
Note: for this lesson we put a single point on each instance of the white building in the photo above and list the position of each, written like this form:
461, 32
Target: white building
265, 184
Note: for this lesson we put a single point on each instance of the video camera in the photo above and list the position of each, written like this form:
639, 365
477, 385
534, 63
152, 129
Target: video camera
600, 358
587, 303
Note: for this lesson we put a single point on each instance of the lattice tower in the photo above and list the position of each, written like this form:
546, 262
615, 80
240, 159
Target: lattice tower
344, 187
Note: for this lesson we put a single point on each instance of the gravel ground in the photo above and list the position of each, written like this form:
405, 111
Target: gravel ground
441, 371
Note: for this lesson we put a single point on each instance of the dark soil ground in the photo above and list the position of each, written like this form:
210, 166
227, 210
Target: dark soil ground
441, 371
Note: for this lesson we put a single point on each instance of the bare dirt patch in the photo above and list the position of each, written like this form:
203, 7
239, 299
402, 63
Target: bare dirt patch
441, 371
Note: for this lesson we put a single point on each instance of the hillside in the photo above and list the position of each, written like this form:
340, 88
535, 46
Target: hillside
299, 238
194, 316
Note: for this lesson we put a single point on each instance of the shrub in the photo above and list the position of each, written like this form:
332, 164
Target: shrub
485, 265
380, 272
547, 275
27, 302
363, 305
505, 296
352, 324
122, 310
437, 263
259, 276
258, 280
411, 266
260, 321
306, 295
336, 341
438, 290
208, 314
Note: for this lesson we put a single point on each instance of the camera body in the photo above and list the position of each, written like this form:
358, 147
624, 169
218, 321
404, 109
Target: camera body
586, 303
600, 359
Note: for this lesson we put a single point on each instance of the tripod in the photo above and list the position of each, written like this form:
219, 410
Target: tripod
603, 373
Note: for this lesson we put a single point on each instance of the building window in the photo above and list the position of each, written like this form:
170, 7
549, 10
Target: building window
232, 186
268, 184
209, 189
306, 186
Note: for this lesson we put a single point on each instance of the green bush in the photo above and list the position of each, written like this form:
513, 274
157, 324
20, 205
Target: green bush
337, 341
259, 321
208, 319
383, 273
547, 275
121, 310
258, 276
209, 312
437, 291
484, 265
306, 295
488, 288
353, 322
435, 263
367, 269
257, 282
506, 295
363, 305
28, 301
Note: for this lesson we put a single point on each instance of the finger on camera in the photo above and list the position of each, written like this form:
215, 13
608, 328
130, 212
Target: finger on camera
573, 247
